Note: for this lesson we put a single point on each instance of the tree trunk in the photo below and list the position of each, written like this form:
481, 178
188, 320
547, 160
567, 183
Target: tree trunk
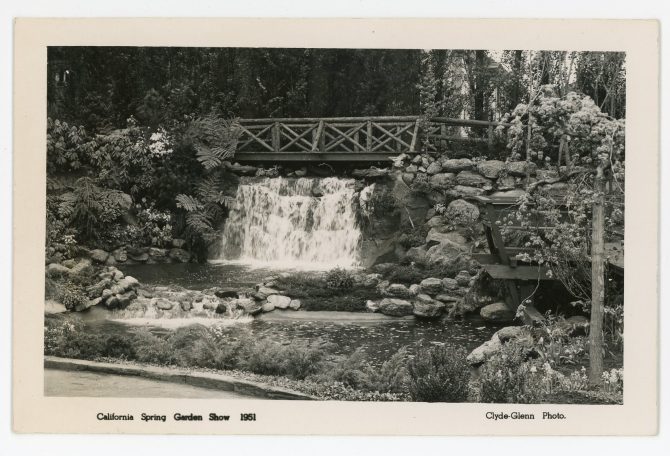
597, 282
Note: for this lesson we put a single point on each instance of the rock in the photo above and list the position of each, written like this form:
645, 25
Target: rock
302, 172
446, 298
117, 275
371, 280
509, 333
267, 291
210, 303
455, 165
52, 307
519, 168
490, 169
372, 306
180, 255
112, 302
462, 213
506, 182
417, 159
178, 243
463, 278
120, 255
370, 172
106, 294
463, 191
436, 221
398, 290
186, 305
69, 263
111, 261
96, 289
90, 303
139, 257
452, 237
279, 301
83, 267
484, 351
221, 308
408, 178
442, 181
227, 294
99, 256
244, 170
428, 308
157, 254
395, 307
124, 299
146, 293
56, 270
415, 289
532, 317
417, 254
546, 174
449, 284
431, 285
294, 304
411, 169
497, 312
267, 307
443, 254
249, 306
471, 179
434, 168
128, 282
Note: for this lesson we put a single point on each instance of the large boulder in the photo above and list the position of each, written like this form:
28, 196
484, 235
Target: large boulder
431, 285
434, 168
395, 307
455, 165
461, 212
180, 255
266, 291
295, 304
449, 284
471, 179
164, 304
465, 191
480, 354
426, 307
417, 254
99, 256
463, 278
158, 255
490, 169
372, 306
497, 312
120, 255
267, 307
57, 270
96, 289
521, 168
249, 306
436, 236
443, 181
398, 290
443, 254
279, 301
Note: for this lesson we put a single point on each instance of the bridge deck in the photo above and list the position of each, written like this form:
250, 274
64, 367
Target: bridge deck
352, 139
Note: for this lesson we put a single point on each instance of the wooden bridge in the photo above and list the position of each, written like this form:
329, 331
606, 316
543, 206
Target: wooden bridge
354, 139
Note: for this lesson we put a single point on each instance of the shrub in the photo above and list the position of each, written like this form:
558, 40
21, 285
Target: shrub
118, 346
439, 374
70, 340
70, 294
392, 376
297, 360
352, 371
508, 378
150, 348
339, 278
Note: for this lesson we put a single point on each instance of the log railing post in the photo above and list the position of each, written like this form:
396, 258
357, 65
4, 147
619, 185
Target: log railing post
443, 134
275, 136
368, 139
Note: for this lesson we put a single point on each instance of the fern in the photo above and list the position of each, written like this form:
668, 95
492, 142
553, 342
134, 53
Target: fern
188, 203
214, 139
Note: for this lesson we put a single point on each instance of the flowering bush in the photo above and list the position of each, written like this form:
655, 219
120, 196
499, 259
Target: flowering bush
508, 378
439, 374
613, 381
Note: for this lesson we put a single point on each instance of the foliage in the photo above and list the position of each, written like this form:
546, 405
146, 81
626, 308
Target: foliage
296, 360
506, 378
89, 207
69, 294
204, 211
439, 374
68, 147
339, 278
214, 139
356, 372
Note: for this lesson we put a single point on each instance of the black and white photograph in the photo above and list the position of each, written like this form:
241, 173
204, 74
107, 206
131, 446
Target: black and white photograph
335, 224
335, 227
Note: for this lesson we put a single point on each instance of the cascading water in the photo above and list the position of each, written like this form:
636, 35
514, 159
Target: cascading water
294, 223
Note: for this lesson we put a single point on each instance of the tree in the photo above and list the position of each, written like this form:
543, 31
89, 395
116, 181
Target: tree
587, 212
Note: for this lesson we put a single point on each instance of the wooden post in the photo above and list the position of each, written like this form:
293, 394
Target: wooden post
597, 282
368, 139
443, 133
275, 137
490, 138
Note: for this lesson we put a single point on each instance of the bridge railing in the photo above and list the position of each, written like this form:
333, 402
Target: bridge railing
376, 135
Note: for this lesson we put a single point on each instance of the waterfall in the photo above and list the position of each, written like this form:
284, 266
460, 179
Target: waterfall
304, 223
